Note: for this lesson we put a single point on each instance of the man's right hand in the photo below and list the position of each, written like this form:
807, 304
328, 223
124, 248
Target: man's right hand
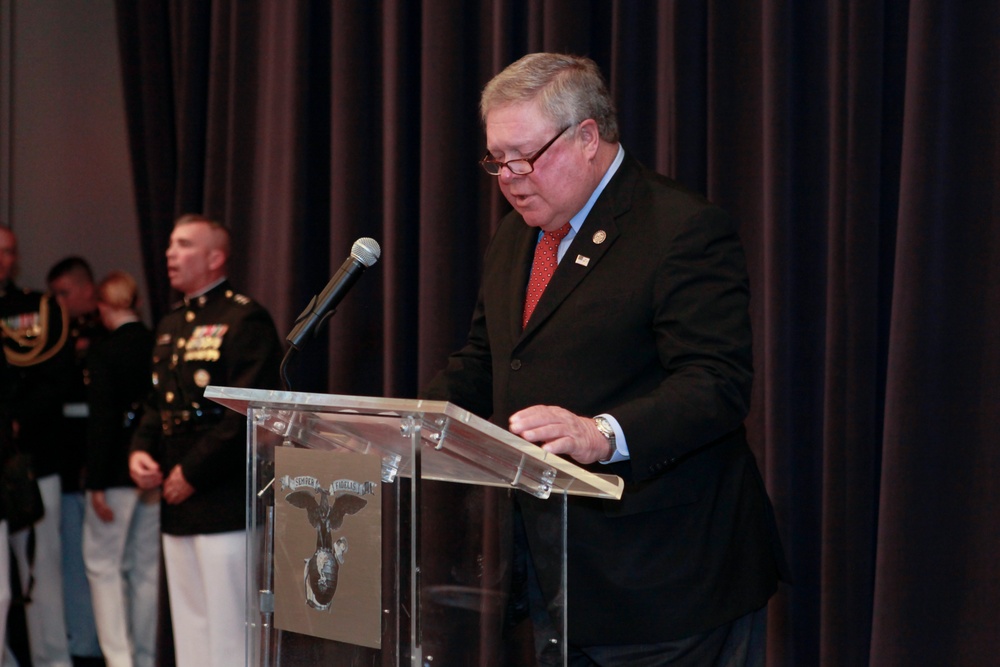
145, 471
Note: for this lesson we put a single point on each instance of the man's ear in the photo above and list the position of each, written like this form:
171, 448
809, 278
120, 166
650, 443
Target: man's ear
216, 259
590, 136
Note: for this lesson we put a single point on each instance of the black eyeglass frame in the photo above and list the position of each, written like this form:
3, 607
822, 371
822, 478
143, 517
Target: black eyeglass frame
489, 162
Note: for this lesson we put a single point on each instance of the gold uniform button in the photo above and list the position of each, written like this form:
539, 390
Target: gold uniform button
189, 316
202, 378
169, 396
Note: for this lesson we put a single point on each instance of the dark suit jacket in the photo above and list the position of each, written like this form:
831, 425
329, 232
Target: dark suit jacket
650, 324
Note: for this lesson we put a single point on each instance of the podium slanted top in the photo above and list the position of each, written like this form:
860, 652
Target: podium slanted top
455, 445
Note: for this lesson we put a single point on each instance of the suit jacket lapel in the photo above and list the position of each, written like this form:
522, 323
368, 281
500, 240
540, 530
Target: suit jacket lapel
594, 240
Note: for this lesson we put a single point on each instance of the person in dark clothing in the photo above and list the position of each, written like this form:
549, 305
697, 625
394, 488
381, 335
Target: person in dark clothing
612, 328
8, 389
196, 449
35, 331
71, 282
121, 531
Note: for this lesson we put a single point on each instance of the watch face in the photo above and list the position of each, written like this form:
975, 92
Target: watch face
604, 426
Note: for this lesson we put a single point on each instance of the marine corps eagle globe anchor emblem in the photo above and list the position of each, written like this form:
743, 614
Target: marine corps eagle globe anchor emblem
322, 569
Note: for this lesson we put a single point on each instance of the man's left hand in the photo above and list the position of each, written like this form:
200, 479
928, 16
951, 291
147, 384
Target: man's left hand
559, 431
175, 488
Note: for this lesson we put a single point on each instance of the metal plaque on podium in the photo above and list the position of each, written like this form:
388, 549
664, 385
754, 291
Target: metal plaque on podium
379, 531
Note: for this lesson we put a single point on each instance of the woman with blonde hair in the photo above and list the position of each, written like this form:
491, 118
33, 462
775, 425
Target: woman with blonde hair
121, 533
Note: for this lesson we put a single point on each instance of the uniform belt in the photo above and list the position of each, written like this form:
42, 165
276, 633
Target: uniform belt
178, 422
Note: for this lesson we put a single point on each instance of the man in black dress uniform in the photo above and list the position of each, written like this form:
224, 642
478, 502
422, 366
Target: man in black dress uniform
196, 449
71, 281
35, 330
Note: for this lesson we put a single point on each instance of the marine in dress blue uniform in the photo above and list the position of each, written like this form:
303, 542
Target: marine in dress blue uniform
196, 449
35, 332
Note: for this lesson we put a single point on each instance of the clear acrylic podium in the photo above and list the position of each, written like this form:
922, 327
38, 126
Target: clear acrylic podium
378, 530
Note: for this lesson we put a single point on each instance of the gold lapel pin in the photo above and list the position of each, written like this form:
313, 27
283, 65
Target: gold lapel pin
600, 236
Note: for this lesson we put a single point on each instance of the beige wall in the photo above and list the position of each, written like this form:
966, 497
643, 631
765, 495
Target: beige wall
65, 181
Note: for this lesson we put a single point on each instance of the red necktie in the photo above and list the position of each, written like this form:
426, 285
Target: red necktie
542, 268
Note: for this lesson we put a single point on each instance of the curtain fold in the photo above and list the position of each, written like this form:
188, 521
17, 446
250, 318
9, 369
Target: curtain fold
856, 143
853, 348
938, 525
145, 51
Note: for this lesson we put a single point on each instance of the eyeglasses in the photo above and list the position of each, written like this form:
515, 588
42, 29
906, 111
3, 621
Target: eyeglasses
520, 166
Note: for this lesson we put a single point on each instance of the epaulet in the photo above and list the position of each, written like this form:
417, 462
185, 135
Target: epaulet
238, 298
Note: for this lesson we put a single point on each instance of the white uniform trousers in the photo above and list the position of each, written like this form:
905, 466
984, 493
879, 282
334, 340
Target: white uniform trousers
5, 592
206, 579
45, 619
123, 567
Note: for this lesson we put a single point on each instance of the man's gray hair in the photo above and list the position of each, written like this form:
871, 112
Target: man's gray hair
569, 89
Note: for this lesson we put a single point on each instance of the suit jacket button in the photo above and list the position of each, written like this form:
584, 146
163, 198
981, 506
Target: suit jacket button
515, 365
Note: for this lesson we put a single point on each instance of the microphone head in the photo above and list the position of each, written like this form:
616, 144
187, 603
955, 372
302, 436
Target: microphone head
366, 251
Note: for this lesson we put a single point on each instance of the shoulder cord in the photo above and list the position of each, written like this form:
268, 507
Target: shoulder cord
36, 353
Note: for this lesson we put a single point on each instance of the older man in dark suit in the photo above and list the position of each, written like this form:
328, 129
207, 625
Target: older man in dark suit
612, 328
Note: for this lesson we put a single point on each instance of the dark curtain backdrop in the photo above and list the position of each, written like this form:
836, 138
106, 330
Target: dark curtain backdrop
857, 142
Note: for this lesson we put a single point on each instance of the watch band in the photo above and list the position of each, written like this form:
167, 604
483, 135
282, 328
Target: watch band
608, 431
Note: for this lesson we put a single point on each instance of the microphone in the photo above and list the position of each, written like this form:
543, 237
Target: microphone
364, 253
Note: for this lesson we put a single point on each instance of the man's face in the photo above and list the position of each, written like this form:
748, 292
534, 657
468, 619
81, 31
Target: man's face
8, 255
194, 258
75, 292
558, 187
